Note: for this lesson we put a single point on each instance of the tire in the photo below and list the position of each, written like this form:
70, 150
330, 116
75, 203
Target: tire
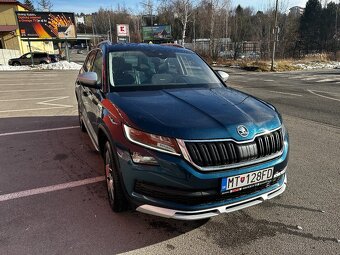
43, 62
117, 200
81, 122
16, 64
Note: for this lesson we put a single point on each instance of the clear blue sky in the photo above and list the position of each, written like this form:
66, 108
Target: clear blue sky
88, 6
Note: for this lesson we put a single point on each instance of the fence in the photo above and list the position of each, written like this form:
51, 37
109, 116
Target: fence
5, 55
225, 48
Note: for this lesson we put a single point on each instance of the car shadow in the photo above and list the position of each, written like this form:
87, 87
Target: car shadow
51, 150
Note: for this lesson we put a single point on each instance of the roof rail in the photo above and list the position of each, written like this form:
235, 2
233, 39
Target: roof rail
104, 42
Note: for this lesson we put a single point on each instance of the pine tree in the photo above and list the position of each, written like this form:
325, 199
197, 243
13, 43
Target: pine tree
328, 28
310, 26
29, 4
45, 5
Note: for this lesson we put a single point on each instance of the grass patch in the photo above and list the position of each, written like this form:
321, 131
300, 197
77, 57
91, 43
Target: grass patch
280, 65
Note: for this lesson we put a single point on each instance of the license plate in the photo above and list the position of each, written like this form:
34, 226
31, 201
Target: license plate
242, 181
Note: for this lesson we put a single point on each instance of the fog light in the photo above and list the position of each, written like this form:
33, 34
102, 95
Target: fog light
142, 159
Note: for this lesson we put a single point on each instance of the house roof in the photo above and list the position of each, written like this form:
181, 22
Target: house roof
7, 28
15, 2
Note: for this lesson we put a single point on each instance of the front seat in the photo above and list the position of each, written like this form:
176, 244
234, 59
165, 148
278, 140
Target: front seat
121, 69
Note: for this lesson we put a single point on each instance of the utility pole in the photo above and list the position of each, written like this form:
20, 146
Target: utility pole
275, 36
94, 38
195, 31
110, 28
336, 37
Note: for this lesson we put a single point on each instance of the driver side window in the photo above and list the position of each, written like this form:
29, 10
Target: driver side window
88, 62
98, 66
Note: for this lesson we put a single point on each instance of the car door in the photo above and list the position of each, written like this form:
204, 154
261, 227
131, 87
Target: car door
26, 59
37, 57
84, 98
95, 96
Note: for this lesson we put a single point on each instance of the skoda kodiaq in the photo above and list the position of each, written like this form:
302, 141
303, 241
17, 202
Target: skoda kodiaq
176, 141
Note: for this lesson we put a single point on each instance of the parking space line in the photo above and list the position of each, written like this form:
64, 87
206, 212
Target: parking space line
48, 102
30, 90
310, 78
314, 92
326, 80
28, 83
52, 188
285, 93
36, 109
28, 99
37, 131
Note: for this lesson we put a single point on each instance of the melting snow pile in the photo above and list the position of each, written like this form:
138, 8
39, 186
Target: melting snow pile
62, 65
318, 65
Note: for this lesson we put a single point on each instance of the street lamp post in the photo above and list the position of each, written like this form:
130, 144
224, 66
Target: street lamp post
275, 36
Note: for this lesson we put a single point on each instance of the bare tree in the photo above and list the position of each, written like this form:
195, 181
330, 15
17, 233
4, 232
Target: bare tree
183, 10
45, 5
217, 8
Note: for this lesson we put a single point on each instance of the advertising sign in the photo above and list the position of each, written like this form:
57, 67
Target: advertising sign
47, 25
123, 30
156, 32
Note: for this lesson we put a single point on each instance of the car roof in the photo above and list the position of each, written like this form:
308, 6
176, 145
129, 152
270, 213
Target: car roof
36, 52
145, 47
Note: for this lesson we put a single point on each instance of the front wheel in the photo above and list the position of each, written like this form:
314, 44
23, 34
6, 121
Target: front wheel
115, 193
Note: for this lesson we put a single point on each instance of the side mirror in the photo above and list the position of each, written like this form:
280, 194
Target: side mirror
89, 79
223, 75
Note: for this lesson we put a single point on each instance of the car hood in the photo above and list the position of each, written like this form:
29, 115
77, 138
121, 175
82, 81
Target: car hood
196, 113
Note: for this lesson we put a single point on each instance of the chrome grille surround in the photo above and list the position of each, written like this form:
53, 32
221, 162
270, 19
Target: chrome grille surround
186, 154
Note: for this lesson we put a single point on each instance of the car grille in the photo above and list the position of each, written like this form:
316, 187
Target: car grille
224, 153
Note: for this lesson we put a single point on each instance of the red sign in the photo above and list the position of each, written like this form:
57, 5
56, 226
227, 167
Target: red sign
123, 30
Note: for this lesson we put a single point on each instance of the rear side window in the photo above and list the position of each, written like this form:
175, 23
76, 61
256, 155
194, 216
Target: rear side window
40, 55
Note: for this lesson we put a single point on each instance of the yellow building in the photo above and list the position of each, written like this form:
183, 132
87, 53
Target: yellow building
9, 30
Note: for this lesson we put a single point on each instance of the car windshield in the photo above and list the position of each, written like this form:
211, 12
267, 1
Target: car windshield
159, 67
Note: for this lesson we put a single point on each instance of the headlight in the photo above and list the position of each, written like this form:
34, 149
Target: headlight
150, 141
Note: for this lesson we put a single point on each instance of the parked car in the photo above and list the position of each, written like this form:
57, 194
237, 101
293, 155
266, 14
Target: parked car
177, 142
227, 54
55, 57
253, 55
38, 58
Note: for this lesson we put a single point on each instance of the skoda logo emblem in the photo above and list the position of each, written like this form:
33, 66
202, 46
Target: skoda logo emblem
242, 131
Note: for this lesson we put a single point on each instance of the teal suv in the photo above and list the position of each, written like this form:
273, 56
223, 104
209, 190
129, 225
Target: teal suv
177, 142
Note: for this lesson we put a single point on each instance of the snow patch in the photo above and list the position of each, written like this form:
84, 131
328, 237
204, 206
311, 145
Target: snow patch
318, 65
62, 65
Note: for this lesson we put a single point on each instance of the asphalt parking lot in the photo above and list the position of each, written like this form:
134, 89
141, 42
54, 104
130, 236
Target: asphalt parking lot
53, 197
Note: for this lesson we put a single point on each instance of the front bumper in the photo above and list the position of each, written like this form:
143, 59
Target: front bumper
176, 189
215, 211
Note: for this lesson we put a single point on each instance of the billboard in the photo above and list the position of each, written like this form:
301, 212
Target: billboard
123, 30
156, 32
47, 25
